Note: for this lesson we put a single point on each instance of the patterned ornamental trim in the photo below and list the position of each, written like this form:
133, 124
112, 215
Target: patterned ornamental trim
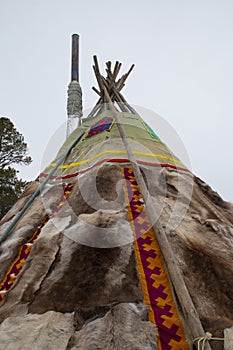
104, 124
117, 152
120, 161
154, 280
149, 130
26, 248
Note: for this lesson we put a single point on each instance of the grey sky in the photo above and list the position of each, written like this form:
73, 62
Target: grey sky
183, 51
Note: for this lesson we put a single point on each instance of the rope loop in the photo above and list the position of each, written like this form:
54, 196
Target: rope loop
202, 340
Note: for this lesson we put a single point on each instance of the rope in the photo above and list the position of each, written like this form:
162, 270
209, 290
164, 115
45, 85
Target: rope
74, 106
202, 340
74, 103
30, 201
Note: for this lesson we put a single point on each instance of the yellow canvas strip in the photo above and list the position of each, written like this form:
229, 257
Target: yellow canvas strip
66, 166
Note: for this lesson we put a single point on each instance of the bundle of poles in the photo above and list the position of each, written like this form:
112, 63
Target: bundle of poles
113, 85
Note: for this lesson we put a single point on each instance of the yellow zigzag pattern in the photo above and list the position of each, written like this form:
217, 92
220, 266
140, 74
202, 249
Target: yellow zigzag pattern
157, 278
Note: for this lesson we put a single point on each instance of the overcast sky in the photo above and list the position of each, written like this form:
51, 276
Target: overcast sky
183, 52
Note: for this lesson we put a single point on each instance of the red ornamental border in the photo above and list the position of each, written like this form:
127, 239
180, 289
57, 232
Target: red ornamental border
25, 249
114, 160
154, 280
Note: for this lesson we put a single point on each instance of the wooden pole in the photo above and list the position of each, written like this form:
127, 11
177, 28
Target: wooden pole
131, 109
121, 82
189, 311
97, 91
75, 58
96, 109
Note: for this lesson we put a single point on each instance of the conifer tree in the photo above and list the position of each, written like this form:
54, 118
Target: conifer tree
13, 150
